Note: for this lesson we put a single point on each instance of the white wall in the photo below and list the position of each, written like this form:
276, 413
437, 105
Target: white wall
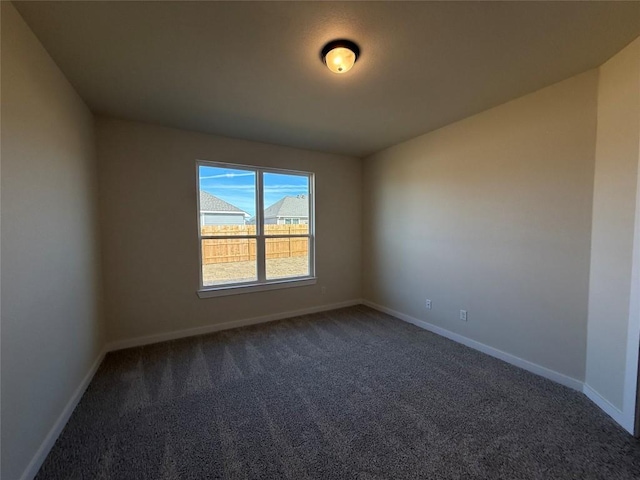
492, 214
149, 228
614, 226
51, 329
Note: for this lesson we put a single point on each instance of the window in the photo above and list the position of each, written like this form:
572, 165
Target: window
255, 228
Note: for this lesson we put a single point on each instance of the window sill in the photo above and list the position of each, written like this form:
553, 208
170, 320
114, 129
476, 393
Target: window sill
222, 291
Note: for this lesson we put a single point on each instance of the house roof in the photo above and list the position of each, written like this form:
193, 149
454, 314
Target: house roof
289, 206
211, 203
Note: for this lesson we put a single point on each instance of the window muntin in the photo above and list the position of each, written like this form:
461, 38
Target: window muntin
244, 239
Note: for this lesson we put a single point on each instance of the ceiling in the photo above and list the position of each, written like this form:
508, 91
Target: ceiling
252, 69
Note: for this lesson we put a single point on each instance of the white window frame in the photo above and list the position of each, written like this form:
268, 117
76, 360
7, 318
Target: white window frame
261, 284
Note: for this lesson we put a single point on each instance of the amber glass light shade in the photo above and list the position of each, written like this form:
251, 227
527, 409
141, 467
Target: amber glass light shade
340, 55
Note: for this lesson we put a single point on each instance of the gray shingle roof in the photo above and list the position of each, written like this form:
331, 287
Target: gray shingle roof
289, 206
211, 203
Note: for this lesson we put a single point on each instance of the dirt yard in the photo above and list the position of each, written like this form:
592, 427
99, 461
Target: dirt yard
221, 273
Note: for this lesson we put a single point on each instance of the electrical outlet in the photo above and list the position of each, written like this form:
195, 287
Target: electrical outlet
323, 290
428, 304
463, 315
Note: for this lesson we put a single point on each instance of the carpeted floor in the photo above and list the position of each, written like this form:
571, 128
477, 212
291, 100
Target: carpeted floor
347, 394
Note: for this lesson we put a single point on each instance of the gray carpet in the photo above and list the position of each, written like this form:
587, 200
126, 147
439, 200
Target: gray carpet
347, 394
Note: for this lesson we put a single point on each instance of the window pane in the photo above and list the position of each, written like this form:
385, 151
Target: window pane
228, 261
227, 201
286, 202
287, 257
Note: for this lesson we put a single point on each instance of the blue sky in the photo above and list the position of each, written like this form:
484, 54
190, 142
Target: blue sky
238, 186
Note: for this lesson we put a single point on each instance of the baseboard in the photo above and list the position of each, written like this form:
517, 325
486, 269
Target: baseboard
48, 442
494, 352
46, 446
607, 407
217, 327
44, 449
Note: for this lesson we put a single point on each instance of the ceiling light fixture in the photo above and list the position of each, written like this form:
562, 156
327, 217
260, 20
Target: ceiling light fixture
340, 55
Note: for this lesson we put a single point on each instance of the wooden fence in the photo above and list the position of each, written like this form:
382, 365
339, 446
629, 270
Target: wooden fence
244, 249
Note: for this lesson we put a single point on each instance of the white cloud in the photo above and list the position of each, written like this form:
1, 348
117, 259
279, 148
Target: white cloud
267, 189
228, 175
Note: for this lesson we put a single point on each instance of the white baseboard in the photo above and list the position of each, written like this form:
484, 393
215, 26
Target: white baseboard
191, 332
45, 447
39, 457
494, 352
607, 407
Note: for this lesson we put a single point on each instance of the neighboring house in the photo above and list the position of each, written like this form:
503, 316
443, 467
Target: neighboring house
288, 211
215, 211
